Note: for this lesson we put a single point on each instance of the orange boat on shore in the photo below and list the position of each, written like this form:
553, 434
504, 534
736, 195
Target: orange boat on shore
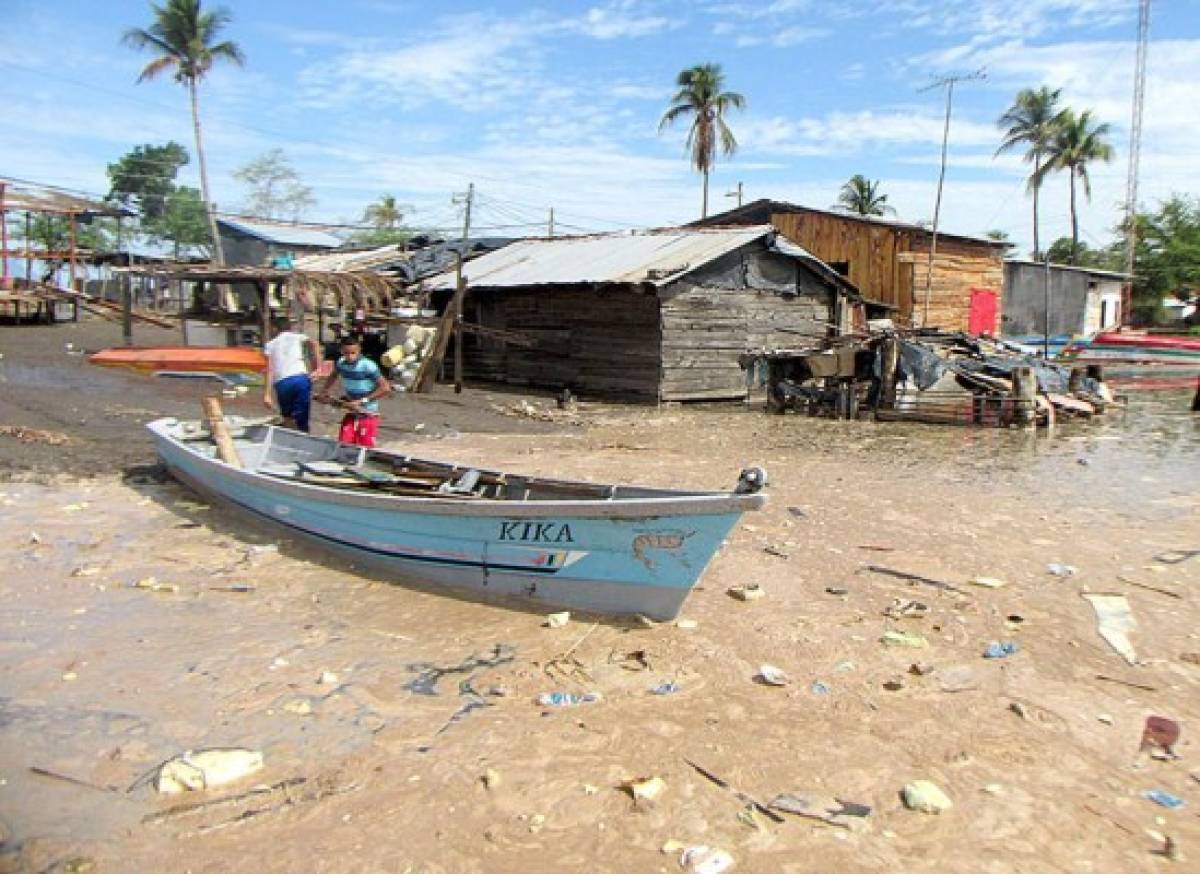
183, 359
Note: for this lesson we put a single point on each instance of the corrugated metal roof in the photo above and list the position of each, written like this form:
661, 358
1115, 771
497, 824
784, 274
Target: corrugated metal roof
338, 262
284, 233
652, 257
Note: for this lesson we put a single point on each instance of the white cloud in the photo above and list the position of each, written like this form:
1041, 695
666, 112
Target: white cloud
621, 18
842, 132
1001, 19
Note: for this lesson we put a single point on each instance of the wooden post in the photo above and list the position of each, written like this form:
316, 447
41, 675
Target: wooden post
1024, 388
127, 309
265, 294
219, 430
458, 331
889, 363
1196, 399
1075, 381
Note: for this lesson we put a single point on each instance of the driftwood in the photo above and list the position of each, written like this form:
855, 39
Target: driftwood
914, 578
737, 793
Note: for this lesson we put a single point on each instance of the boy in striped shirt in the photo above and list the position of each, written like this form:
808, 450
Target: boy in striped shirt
363, 384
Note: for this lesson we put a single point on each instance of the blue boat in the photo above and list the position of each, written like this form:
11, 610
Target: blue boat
599, 548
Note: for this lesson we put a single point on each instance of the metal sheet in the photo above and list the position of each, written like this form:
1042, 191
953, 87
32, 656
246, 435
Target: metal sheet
654, 258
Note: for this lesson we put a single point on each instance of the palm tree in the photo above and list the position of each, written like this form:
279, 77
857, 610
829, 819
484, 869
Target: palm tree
1076, 142
1031, 122
701, 98
860, 195
184, 38
385, 214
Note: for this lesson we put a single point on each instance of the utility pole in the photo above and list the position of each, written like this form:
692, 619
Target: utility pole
737, 194
1135, 154
550, 228
947, 82
468, 199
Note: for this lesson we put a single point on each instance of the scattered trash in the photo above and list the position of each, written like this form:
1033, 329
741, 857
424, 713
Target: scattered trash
75, 508
68, 676
819, 688
1192, 658
771, 676
557, 620
1083, 461
1001, 649
1061, 570
737, 793
206, 769
634, 660
154, 585
240, 588
903, 638
988, 582
1014, 619
85, 572
1160, 734
834, 590
568, 699
924, 796
844, 667
1115, 623
687, 624
748, 592
776, 551
825, 808
1104, 718
667, 688
893, 685
299, 706
904, 609
490, 779
642, 789
701, 859
1018, 708
34, 537
921, 669
327, 678
798, 512
914, 578
1177, 556
1163, 799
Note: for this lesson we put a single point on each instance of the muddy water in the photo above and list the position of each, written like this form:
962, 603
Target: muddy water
100, 681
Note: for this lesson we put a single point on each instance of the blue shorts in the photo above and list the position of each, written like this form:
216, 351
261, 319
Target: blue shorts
295, 399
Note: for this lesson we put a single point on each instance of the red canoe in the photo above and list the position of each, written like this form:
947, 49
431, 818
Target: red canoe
210, 359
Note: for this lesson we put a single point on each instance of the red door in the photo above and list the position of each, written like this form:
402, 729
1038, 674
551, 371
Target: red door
982, 319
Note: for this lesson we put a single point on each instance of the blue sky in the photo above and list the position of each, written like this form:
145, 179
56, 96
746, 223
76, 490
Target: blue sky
557, 104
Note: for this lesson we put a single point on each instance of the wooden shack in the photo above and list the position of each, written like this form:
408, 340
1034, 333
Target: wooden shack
658, 315
888, 261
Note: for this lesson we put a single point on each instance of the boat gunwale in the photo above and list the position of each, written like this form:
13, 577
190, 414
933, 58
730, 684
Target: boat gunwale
669, 503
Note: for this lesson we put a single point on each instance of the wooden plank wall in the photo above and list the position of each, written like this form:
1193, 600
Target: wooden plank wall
871, 251
596, 341
705, 329
958, 267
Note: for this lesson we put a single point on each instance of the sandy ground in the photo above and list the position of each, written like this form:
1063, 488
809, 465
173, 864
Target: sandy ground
100, 681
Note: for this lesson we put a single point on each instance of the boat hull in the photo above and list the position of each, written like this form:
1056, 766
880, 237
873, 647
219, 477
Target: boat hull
1146, 361
205, 359
620, 557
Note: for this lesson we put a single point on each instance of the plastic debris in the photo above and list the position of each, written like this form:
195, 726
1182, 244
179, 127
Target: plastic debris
771, 676
749, 592
567, 699
904, 609
558, 620
644, 789
921, 669
1160, 734
1163, 799
926, 797
34, 537
153, 585
836, 590
206, 769
299, 706
1001, 649
687, 624
1115, 622
825, 808
819, 688
988, 582
701, 859
490, 778
903, 638
667, 688
327, 678
1061, 570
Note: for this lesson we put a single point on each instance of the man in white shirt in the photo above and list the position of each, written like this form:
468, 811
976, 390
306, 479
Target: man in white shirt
289, 380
